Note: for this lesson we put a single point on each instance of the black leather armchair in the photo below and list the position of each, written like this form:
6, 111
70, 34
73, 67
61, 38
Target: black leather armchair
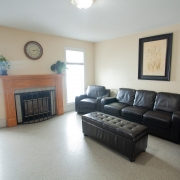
91, 100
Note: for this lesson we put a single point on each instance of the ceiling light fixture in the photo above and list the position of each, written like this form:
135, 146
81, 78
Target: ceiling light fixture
82, 4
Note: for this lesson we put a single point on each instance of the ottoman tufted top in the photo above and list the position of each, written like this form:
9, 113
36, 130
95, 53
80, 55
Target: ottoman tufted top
119, 126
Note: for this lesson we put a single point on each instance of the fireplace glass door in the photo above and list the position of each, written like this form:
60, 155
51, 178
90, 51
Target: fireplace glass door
35, 106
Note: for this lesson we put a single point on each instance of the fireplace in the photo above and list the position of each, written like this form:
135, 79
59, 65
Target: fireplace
32, 107
11, 83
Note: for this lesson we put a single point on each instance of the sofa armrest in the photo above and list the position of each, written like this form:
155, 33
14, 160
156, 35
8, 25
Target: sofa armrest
175, 127
77, 100
107, 93
107, 100
100, 98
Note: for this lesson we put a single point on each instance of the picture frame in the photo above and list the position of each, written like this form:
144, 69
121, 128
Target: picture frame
155, 57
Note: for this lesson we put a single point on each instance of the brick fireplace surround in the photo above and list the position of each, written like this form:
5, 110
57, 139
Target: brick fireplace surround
12, 83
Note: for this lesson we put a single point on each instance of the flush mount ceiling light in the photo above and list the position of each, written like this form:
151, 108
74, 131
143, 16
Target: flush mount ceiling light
82, 4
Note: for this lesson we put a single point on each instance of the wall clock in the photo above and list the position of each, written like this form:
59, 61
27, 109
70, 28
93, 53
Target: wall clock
33, 50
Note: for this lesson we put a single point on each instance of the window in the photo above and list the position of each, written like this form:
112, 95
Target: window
74, 74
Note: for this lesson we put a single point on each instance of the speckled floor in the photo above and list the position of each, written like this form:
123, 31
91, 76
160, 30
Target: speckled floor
57, 150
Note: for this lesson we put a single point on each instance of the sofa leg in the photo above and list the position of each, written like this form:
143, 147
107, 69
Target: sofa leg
132, 160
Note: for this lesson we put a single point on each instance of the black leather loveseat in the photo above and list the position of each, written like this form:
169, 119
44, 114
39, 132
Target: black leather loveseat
91, 100
160, 112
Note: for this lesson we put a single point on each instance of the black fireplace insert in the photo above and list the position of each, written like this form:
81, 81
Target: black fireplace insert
32, 107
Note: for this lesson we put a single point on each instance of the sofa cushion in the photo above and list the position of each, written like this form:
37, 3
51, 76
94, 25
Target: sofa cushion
114, 108
167, 102
144, 98
95, 91
88, 102
134, 112
158, 118
126, 96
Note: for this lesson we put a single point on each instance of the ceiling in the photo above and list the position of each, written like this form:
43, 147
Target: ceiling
105, 19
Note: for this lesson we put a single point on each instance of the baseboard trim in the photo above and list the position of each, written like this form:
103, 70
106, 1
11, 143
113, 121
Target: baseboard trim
69, 107
3, 123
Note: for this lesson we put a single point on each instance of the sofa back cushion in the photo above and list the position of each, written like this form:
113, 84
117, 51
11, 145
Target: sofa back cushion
126, 96
95, 91
167, 102
144, 98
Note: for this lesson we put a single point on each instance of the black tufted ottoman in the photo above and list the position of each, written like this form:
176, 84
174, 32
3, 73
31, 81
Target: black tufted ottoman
128, 138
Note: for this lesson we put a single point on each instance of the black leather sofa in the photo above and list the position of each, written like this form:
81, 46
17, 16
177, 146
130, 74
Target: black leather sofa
91, 100
160, 112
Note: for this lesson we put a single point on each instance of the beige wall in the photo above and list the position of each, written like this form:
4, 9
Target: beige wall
112, 63
12, 42
116, 62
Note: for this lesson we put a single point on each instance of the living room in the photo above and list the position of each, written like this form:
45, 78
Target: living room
112, 63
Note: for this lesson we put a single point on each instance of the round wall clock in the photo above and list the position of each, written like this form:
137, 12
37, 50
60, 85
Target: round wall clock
33, 50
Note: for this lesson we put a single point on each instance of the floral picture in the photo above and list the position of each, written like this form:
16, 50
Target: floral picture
155, 57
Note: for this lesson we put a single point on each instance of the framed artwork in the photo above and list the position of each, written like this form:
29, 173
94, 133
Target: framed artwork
155, 57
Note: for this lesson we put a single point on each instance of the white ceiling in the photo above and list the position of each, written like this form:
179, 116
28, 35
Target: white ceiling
105, 19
